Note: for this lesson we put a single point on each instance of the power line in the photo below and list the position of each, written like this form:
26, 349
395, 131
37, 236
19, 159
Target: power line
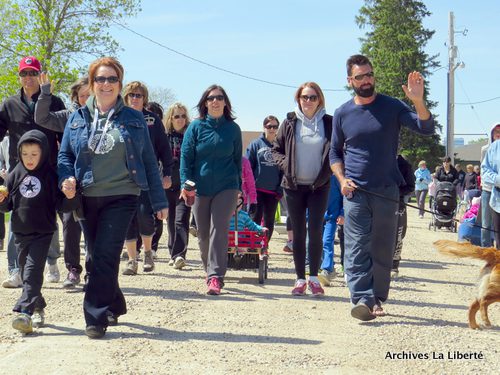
471, 104
208, 64
480, 102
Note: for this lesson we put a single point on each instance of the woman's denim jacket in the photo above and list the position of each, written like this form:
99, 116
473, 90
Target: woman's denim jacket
75, 158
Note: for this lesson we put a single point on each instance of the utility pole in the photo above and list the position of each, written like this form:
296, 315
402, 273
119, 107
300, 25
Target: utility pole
450, 111
452, 66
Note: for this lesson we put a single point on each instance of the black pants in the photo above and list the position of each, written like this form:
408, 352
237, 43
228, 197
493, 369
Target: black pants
72, 232
158, 233
340, 232
314, 203
402, 224
143, 222
178, 224
32, 250
105, 227
265, 208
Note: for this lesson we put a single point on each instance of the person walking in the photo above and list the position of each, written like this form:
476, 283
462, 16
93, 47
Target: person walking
211, 159
301, 152
106, 153
367, 170
267, 175
422, 180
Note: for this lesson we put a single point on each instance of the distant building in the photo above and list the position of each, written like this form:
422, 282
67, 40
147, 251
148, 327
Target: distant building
469, 154
248, 137
457, 142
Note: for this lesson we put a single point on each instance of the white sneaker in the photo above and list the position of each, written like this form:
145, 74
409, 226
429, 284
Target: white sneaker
14, 281
179, 263
171, 262
22, 322
326, 278
38, 318
339, 270
52, 275
155, 256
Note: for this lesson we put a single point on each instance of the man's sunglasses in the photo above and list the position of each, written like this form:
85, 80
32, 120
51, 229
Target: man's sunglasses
360, 77
101, 79
31, 73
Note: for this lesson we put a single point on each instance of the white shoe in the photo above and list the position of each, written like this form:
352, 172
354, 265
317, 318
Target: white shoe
179, 263
38, 318
155, 256
326, 278
171, 262
14, 281
52, 275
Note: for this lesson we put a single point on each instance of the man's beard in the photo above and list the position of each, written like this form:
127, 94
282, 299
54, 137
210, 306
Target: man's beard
364, 92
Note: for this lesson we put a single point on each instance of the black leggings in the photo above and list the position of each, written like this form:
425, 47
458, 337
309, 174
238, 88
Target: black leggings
265, 208
314, 203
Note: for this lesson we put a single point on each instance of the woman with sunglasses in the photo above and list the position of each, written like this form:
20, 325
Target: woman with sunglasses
107, 154
301, 150
267, 175
447, 172
176, 122
211, 158
143, 223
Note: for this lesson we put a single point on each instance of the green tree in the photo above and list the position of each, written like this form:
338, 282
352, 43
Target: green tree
395, 41
64, 34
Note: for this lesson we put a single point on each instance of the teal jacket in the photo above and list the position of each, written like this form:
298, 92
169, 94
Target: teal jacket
211, 155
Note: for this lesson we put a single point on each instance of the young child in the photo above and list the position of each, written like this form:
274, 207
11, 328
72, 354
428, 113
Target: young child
244, 221
33, 197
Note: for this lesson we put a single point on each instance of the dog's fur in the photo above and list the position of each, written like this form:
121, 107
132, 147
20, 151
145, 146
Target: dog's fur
489, 284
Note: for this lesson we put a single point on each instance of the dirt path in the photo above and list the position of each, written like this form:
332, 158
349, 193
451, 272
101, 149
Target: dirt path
173, 327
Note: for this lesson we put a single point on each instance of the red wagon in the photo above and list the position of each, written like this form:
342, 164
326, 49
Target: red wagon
248, 250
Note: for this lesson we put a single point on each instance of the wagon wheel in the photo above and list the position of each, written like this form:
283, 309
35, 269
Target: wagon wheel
262, 270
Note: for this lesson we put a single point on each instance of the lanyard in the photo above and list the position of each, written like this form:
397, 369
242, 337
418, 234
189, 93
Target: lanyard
104, 131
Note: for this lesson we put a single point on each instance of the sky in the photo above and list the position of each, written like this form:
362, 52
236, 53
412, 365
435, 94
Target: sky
294, 41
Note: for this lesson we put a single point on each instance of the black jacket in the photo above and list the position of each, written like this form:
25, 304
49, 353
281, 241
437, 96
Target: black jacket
34, 195
451, 176
159, 141
283, 152
406, 171
17, 118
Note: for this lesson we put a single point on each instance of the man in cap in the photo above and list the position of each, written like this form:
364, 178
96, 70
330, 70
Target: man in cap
17, 117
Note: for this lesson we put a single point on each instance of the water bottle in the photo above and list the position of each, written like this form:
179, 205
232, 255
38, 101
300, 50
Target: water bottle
190, 188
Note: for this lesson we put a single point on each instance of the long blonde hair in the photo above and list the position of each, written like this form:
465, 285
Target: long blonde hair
169, 117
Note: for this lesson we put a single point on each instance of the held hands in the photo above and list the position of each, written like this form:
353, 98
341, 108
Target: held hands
340, 220
414, 89
68, 187
163, 214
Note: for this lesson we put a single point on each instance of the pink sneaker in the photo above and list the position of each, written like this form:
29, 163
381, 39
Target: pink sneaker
300, 288
214, 286
316, 289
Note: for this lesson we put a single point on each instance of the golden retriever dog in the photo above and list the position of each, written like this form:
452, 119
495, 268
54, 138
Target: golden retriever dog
489, 283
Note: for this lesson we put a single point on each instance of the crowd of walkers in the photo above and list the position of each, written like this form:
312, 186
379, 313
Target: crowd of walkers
115, 165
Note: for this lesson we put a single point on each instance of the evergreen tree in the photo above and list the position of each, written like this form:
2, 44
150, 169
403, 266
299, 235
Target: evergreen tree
395, 43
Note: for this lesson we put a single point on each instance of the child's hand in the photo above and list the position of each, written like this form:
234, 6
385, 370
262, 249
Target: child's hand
69, 187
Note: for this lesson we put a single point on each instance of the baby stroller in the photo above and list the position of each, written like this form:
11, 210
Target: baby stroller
444, 207
248, 250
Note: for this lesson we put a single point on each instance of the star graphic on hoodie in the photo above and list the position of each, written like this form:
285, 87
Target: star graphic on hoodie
30, 186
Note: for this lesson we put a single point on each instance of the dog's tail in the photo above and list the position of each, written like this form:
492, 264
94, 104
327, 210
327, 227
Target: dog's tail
467, 250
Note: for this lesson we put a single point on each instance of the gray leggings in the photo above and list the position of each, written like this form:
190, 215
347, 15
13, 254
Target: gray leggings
213, 214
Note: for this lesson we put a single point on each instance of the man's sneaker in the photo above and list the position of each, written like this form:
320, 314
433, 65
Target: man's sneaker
193, 231
326, 278
214, 286
22, 322
288, 248
149, 264
53, 275
14, 281
95, 332
73, 279
155, 255
171, 262
131, 268
38, 318
339, 270
179, 263
300, 288
315, 288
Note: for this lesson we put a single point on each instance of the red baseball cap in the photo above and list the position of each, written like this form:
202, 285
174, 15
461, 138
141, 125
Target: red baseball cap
30, 62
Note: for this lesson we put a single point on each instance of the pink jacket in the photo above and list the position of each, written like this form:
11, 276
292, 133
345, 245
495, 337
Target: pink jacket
247, 182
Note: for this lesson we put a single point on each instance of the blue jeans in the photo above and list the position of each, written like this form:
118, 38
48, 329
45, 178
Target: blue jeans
105, 227
370, 234
329, 230
486, 220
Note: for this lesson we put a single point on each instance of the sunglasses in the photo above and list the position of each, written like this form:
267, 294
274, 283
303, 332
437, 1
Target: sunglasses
31, 73
219, 98
307, 98
101, 79
180, 116
134, 95
271, 126
360, 77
